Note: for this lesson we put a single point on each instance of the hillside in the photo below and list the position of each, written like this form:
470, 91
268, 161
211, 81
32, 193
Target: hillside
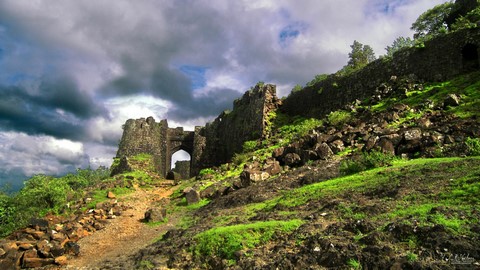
348, 204
386, 182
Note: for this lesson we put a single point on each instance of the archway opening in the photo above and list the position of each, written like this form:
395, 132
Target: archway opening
470, 59
181, 164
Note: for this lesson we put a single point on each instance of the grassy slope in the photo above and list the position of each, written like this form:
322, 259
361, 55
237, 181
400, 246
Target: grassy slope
421, 193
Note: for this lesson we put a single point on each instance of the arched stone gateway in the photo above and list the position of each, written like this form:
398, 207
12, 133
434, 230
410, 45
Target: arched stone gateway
155, 138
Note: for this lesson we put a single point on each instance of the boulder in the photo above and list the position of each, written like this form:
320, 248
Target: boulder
451, 100
272, 167
37, 262
248, 177
62, 260
337, 146
111, 195
278, 153
323, 150
155, 214
385, 146
292, 159
191, 195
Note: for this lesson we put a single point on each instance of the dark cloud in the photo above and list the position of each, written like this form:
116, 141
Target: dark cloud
57, 108
204, 106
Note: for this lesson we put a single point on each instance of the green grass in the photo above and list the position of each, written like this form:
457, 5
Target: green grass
225, 241
459, 194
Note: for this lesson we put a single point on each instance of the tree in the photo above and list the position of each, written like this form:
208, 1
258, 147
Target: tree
318, 78
398, 44
446, 17
360, 56
433, 21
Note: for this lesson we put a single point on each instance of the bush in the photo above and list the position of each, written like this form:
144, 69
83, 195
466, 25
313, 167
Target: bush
206, 171
249, 146
366, 161
239, 159
339, 117
473, 146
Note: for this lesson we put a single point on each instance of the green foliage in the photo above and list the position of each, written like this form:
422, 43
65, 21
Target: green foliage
146, 265
432, 22
470, 20
368, 160
288, 128
354, 264
249, 146
398, 44
412, 257
142, 157
206, 171
42, 194
338, 118
239, 159
318, 78
296, 88
360, 55
473, 146
225, 241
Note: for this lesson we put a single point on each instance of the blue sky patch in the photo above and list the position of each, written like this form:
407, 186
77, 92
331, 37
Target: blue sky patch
290, 32
196, 75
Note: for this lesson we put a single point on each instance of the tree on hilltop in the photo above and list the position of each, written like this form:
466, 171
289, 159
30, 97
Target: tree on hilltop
360, 56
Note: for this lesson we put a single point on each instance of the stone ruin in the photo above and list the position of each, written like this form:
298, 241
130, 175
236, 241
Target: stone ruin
211, 145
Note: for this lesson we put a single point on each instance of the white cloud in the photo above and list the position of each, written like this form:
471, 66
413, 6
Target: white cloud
40, 154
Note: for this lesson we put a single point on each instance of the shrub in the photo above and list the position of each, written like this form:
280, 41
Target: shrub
339, 117
239, 159
206, 171
249, 146
366, 161
473, 146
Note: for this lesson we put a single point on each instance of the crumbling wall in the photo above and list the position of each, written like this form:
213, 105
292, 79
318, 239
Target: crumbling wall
219, 140
440, 59
145, 136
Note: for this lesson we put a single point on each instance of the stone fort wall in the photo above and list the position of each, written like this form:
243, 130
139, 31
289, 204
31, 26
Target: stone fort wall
440, 59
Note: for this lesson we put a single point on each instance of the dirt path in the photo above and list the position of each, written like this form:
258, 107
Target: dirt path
123, 235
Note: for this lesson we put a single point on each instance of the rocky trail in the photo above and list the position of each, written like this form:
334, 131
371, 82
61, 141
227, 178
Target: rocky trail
124, 235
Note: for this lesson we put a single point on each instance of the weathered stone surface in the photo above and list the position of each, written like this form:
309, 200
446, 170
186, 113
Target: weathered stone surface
292, 159
323, 150
37, 262
272, 167
412, 134
191, 195
278, 152
155, 214
337, 146
451, 100
62, 260
111, 195
72, 248
386, 146
182, 168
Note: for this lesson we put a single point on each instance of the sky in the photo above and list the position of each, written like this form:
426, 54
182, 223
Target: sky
73, 71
